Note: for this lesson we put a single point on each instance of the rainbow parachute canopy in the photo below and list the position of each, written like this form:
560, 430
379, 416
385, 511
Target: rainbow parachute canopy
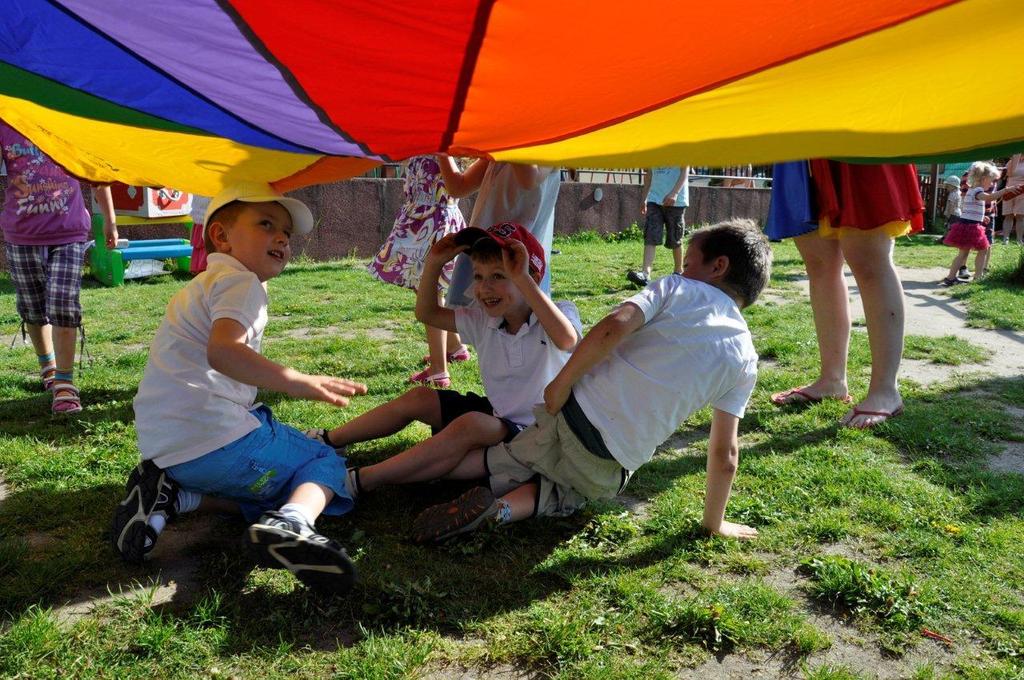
197, 93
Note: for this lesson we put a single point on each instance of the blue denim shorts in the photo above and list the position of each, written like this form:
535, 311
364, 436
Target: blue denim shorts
260, 470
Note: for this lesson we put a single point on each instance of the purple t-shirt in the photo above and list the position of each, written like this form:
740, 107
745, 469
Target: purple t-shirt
43, 205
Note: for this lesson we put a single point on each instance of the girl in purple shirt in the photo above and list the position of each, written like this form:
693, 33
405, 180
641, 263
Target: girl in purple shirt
45, 229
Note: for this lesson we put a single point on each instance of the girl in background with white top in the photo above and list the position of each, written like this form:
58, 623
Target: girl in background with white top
968, 232
1013, 208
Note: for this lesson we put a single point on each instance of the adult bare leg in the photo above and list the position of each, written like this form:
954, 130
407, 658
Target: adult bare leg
831, 307
870, 257
1008, 223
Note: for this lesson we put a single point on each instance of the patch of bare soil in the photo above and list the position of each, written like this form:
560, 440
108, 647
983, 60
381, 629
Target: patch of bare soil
383, 333
850, 647
637, 507
500, 672
1011, 459
174, 567
681, 442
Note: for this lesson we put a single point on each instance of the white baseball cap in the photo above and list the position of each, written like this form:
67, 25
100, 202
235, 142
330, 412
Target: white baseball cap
261, 192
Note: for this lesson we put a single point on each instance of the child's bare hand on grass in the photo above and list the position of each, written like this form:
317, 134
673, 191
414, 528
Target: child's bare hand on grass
332, 390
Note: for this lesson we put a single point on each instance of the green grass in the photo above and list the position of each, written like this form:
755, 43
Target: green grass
948, 349
898, 529
997, 303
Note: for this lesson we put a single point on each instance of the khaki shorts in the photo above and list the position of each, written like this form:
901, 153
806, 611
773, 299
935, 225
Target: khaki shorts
568, 474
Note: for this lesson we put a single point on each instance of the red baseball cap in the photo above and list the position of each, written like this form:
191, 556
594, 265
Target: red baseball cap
502, 234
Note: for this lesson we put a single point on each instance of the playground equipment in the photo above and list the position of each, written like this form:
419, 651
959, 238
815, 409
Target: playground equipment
108, 265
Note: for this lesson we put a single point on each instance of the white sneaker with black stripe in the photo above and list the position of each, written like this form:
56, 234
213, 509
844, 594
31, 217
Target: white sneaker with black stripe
282, 542
149, 491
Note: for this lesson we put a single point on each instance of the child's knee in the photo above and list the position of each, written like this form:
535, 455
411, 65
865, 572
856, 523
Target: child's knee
472, 426
420, 401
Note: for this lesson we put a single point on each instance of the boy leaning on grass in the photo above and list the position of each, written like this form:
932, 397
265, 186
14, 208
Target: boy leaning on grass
522, 339
203, 440
675, 347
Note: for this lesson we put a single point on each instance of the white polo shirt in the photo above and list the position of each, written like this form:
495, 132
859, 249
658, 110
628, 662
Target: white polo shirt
514, 369
184, 408
694, 349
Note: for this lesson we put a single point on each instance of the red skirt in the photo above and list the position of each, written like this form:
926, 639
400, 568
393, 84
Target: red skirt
866, 197
965, 234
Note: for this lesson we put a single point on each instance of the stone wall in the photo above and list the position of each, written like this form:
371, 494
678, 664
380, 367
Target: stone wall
354, 217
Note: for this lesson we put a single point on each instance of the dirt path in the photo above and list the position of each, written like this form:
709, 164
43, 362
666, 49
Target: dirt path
930, 311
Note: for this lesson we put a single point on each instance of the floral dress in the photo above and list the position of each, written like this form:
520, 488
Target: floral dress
427, 215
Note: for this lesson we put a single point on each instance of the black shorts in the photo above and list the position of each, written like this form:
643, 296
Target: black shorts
454, 404
664, 221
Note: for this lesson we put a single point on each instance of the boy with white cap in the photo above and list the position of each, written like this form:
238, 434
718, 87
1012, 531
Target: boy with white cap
199, 431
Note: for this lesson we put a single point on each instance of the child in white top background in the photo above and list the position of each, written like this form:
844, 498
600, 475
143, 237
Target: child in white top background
968, 232
1013, 208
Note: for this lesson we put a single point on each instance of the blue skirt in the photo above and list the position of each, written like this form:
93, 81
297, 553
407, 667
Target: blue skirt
793, 210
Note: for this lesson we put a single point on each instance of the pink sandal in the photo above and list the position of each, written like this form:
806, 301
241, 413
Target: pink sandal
47, 376
461, 354
442, 380
66, 399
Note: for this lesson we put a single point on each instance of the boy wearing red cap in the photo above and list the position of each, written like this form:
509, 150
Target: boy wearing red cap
522, 339
676, 346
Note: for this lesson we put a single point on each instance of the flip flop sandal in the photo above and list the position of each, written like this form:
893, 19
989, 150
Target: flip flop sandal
65, 404
784, 398
459, 516
442, 380
884, 415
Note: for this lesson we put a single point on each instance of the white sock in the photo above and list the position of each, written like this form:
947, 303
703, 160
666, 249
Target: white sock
504, 515
158, 521
350, 483
297, 512
187, 501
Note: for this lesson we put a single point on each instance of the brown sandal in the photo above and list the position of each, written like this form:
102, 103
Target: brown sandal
463, 514
884, 415
802, 397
